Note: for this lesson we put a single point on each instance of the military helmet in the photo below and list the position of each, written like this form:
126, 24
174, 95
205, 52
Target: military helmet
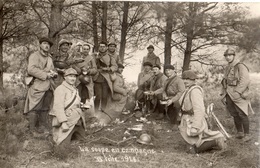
63, 41
145, 139
229, 52
112, 43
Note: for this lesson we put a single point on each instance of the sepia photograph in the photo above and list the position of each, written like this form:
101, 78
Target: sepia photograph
129, 84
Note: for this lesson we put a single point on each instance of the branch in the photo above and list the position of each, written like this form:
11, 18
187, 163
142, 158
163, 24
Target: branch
209, 8
62, 28
38, 14
74, 4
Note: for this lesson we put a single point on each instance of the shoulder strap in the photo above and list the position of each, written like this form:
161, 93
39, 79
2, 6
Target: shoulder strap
73, 100
167, 85
188, 91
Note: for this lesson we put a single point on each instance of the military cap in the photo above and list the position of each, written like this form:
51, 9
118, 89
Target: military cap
229, 52
103, 42
169, 67
189, 74
120, 66
157, 66
148, 64
70, 71
111, 43
45, 39
150, 46
63, 41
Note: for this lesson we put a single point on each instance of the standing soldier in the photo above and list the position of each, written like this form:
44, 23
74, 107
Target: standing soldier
86, 70
235, 91
143, 84
40, 93
103, 87
157, 83
61, 60
112, 52
193, 126
151, 57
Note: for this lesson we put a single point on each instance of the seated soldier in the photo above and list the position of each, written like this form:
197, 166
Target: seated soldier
143, 83
67, 115
172, 91
193, 126
157, 84
118, 101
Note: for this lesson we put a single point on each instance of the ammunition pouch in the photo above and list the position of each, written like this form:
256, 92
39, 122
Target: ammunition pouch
188, 112
232, 82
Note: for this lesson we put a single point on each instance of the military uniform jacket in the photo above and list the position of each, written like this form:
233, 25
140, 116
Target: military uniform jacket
38, 67
152, 58
236, 80
144, 79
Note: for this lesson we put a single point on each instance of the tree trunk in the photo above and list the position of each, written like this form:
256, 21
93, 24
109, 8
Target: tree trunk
55, 23
1, 47
124, 31
94, 22
168, 37
190, 33
104, 21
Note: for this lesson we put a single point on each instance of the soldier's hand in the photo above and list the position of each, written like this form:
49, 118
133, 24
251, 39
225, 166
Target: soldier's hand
125, 93
193, 131
49, 75
105, 68
64, 127
169, 102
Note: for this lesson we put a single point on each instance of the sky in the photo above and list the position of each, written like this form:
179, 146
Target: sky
131, 72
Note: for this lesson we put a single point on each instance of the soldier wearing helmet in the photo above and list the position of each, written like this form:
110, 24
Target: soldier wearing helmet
235, 94
193, 126
111, 50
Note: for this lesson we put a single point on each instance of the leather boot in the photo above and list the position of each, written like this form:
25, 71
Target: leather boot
32, 116
206, 146
43, 122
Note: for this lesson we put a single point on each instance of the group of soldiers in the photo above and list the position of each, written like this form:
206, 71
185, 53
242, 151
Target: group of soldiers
62, 86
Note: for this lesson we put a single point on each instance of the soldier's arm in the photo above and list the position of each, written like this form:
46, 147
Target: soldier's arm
243, 79
117, 87
59, 105
162, 83
93, 69
113, 65
181, 89
198, 108
34, 69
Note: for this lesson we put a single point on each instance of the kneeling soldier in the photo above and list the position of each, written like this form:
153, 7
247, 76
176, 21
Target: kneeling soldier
67, 115
193, 126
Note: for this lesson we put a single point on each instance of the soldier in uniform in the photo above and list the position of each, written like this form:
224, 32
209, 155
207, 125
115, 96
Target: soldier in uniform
151, 57
41, 86
236, 94
172, 91
143, 84
86, 70
193, 126
157, 84
106, 68
68, 118
112, 52
61, 60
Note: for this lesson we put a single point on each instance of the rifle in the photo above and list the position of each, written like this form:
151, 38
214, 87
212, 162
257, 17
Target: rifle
212, 116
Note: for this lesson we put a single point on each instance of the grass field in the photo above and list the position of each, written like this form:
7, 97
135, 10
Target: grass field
113, 147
